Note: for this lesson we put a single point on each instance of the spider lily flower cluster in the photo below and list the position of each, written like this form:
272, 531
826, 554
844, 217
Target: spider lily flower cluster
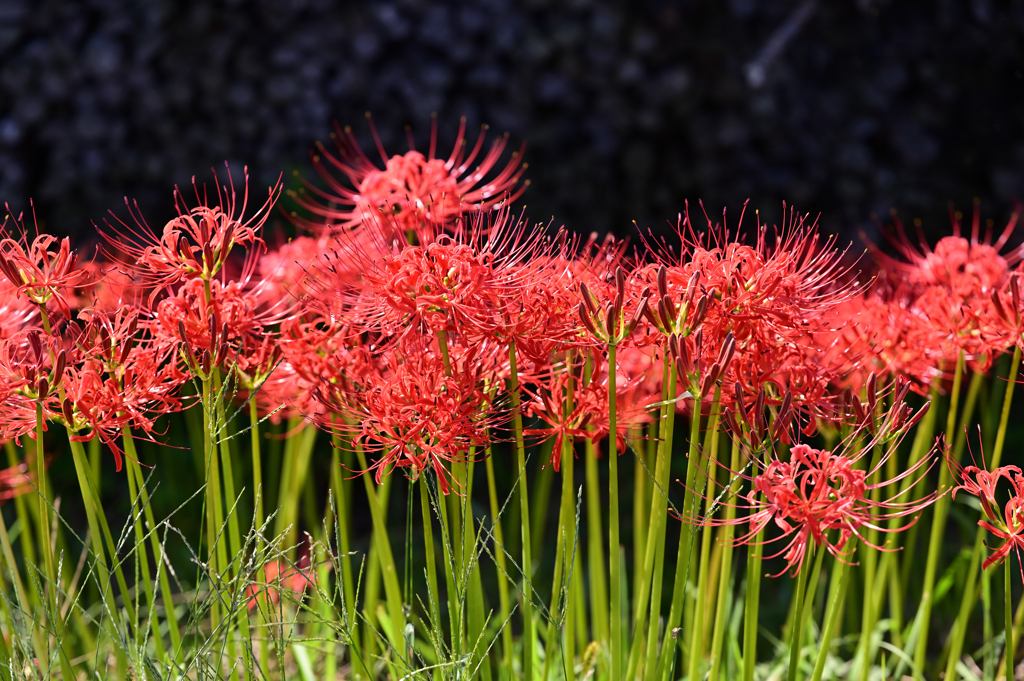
430, 332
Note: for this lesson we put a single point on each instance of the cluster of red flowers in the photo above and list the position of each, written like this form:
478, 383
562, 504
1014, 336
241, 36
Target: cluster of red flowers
1007, 526
398, 320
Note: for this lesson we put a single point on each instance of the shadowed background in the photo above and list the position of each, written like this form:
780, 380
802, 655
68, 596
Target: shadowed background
627, 109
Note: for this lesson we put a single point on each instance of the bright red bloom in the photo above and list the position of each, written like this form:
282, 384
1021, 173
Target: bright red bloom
770, 296
412, 413
196, 244
44, 270
946, 300
1007, 525
415, 193
820, 496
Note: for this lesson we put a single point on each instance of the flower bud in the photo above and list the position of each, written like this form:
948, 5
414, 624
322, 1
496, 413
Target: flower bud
36, 345
58, 369
620, 282
588, 299
728, 350
225, 242
1015, 297
42, 387
69, 411
691, 289
701, 311
662, 282
671, 314
635, 319
588, 322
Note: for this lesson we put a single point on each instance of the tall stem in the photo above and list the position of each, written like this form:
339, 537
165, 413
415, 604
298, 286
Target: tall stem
257, 471
724, 583
134, 468
937, 531
835, 606
504, 602
615, 610
524, 505
755, 549
393, 592
796, 634
1008, 614
650, 584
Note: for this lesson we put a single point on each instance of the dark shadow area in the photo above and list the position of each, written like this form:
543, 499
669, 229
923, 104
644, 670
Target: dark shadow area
627, 109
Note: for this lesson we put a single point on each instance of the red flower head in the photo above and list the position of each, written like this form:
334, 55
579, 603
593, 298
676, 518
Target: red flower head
951, 295
412, 413
413, 194
769, 296
820, 496
1007, 525
44, 270
196, 244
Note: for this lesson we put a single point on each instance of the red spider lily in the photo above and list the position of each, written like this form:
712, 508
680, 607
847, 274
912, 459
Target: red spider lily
471, 281
32, 370
44, 270
413, 413
313, 348
770, 296
284, 270
588, 417
196, 244
820, 496
414, 194
100, 404
1007, 525
223, 320
949, 297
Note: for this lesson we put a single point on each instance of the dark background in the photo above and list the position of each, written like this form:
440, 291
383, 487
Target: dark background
627, 109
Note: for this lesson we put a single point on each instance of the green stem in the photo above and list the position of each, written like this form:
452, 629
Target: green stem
524, 505
23, 602
1008, 614
755, 549
342, 495
958, 633
216, 553
140, 544
50, 588
25, 513
158, 549
504, 602
724, 583
257, 471
701, 464
392, 591
614, 631
653, 567
938, 527
477, 621
433, 593
835, 607
567, 530
796, 628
